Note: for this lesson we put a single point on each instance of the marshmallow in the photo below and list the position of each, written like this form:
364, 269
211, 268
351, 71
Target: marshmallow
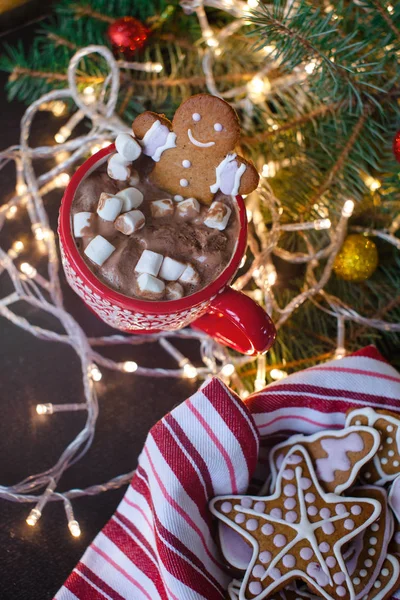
188, 209
118, 168
149, 262
81, 220
130, 222
173, 291
162, 208
150, 287
189, 275
217, 216
109, 207
131, 198
171, 269
98, 250
127, 147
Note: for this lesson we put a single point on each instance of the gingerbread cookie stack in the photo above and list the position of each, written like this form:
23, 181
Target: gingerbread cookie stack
330, 527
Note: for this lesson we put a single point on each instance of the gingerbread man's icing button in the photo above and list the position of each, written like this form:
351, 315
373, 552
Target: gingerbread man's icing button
196, 150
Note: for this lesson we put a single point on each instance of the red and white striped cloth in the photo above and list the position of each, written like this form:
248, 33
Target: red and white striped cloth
160, 542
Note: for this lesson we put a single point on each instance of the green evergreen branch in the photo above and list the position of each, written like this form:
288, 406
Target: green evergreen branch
297, 122
386, 17
337, 166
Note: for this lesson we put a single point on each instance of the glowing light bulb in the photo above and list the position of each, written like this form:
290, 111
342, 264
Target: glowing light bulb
95, 149
339, 353
189, 371
95, 373
44, 409
267, 50
59, 138
252, 3
212, 42
12, 211
74, 528
39, 233
257, 88
21, 189
348, 208
33, 517
18, 246
228, 370
322, 224
310, 67
89, 94
62, 179
157, 67
269, 169
372, 183
129, 366
28, 270
272, 277
58, 108
245, 394
390, 9
278, 374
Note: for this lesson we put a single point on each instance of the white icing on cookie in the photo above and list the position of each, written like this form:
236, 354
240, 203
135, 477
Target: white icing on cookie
323, 465
157, 139
304, 541
170, 143
197, 143
372, 417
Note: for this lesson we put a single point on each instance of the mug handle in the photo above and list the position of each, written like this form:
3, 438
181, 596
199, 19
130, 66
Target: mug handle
235, 320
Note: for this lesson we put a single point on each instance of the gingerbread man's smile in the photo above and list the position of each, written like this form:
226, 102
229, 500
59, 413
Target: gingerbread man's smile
197, 143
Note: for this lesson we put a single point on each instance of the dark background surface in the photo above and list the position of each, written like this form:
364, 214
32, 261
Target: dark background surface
34, 562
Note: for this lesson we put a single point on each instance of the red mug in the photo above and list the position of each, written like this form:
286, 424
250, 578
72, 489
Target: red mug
229, 316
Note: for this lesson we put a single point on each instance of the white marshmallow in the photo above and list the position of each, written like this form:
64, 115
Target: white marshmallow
189, 275
171, 269
98, 250
162, 208
109, 207
118, 168
130, 222
81, 221
131, 198
127, 147
150, 287
149, 262
218, 216
189, 208
174, 291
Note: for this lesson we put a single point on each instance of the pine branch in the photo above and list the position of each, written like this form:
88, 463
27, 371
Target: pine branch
87, 11
338, 165
385, 15
317, 112
49, 77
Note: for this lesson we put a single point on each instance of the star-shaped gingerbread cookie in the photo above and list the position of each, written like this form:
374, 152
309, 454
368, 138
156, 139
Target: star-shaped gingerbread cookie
297, 533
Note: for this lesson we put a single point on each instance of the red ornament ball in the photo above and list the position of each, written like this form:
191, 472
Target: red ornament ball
396, 146
127, 35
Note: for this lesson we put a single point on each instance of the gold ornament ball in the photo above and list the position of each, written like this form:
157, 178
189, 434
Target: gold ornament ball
357, 258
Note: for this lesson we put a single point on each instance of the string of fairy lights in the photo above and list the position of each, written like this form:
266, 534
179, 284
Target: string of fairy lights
42, 290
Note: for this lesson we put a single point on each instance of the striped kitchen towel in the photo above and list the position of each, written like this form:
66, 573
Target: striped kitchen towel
160, 544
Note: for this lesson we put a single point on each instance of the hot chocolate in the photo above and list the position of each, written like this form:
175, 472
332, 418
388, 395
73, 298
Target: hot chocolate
160, 221
191, 251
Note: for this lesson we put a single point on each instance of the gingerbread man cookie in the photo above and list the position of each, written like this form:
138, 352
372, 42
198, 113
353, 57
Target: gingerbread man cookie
298, 532
337, 455
385, 466
194, 155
